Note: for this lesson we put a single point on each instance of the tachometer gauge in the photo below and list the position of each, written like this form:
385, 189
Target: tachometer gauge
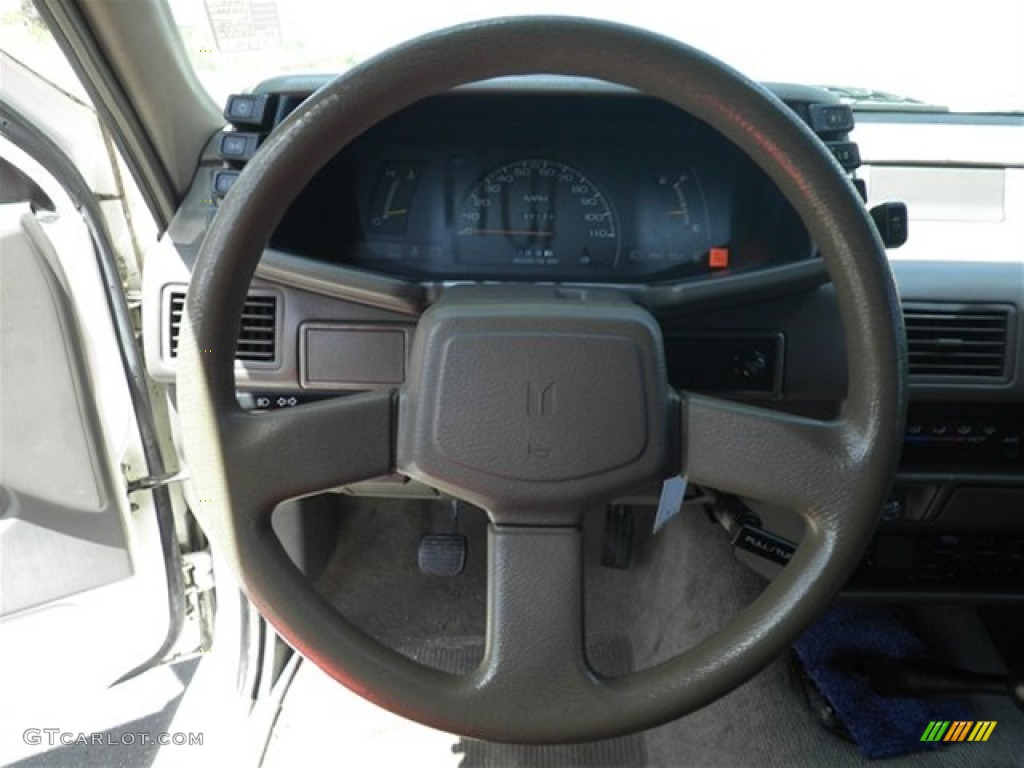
537, 213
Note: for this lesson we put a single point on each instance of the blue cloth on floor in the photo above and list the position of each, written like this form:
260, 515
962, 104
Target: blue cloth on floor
882, 726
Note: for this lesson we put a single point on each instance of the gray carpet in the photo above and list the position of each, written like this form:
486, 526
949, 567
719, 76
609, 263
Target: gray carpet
610, 653
682, 586
319, 719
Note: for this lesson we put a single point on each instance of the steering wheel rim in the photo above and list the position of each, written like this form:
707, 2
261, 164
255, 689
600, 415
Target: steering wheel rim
835, 474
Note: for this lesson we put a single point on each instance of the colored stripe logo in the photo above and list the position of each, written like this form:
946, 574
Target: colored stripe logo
958, 730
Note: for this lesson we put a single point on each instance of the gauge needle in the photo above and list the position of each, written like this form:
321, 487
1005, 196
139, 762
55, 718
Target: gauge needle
390, 198
516, 232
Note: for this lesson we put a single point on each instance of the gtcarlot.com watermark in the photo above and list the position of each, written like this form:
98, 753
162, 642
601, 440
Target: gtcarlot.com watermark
54, 737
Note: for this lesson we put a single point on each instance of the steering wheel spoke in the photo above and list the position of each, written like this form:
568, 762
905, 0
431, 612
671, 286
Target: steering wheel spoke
535, 636
797, 463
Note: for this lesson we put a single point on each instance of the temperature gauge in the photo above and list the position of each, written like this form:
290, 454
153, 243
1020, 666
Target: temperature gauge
392, 197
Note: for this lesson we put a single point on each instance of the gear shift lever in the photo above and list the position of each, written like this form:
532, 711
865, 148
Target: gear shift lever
922, 678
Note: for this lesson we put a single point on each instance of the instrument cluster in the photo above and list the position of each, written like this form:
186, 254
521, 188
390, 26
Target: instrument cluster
544, 187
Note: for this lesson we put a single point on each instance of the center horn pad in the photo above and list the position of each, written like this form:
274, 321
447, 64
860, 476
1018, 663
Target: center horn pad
536, 409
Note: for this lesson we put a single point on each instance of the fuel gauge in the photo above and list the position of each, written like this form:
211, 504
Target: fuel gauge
682, 203
673, 232
393, 197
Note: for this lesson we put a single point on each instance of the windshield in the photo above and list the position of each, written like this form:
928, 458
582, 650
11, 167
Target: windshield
900, 54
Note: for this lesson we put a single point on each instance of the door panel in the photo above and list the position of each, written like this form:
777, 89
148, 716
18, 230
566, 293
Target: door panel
84, 596
62, 531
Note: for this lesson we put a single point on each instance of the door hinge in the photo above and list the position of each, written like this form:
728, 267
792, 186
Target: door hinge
150, 482
198, 571
200, 606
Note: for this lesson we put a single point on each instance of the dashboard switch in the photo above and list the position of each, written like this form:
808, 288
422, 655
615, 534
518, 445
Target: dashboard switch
223, 181
846, 152
891, 220
728, 363
831, 118
752, 367
238, 147
249, 110
894, 511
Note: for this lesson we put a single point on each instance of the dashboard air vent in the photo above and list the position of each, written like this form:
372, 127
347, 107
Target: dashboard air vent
257, 338
960, 342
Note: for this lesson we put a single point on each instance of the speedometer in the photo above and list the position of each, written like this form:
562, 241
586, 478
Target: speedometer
537, 213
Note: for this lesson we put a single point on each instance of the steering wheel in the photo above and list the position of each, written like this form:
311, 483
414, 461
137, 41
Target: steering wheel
541, 406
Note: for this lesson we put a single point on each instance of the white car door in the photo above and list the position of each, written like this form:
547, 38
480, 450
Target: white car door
91, 586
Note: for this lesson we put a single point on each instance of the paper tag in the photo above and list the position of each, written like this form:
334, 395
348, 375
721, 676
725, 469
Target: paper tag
673, 491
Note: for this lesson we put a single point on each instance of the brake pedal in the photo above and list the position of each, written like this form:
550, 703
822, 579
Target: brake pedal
442, 554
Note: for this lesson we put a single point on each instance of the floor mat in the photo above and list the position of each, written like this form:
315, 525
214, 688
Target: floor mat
684, 583
882, 726
319, 716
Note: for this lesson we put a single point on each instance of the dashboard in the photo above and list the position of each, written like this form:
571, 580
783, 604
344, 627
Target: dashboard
549, 188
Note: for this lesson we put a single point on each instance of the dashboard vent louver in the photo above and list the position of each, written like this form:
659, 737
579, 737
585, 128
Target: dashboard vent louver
957, 342
257, 340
